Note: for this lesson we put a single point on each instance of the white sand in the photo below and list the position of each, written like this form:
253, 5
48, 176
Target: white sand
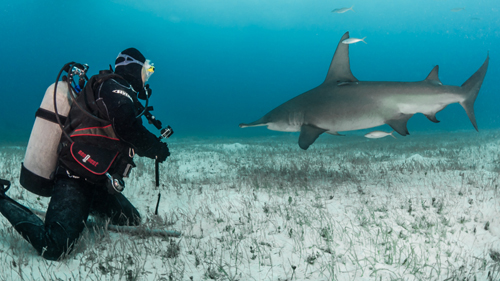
349, 208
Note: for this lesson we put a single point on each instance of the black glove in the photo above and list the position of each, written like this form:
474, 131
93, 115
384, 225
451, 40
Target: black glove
162, 152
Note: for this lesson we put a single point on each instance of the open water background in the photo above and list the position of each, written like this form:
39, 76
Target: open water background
220, 63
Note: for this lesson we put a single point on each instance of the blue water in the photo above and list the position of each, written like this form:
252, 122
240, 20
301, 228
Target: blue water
220, 63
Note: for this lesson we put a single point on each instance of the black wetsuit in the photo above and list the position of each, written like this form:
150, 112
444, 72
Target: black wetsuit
73, 198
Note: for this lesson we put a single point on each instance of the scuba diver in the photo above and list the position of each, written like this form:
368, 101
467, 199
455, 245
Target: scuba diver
99, 137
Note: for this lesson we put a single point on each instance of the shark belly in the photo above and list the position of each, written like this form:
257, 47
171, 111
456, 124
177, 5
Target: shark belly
428, 104
385, 101
352, 124
345, 109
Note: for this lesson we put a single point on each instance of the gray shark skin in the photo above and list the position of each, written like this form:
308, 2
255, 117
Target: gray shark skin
342, 103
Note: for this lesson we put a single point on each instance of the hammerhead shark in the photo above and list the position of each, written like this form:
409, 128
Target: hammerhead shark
343, 103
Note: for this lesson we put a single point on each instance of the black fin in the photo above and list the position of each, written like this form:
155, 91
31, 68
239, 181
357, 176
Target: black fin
399, 124
340, 68
309, 134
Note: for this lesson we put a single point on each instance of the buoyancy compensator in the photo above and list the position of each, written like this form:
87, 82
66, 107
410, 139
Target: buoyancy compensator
37, 170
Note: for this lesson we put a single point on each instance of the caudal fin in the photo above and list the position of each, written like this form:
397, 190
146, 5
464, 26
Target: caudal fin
471, 87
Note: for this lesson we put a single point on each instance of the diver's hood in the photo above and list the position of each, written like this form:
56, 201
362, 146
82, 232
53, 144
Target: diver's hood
128, 65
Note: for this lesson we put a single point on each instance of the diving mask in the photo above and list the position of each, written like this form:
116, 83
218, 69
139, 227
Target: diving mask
148, 69
127, 60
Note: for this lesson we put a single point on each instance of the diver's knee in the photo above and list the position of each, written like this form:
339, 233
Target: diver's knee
59, 241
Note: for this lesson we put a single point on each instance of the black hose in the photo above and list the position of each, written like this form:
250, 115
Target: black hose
145, 109
65, 67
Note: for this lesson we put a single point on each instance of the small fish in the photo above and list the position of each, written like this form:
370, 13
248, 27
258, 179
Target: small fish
354, 40
342, 10
379, 134
457, 9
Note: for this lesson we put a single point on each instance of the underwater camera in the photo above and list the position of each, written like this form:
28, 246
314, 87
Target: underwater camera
167, 132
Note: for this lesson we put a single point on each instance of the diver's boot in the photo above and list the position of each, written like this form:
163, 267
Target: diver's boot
30, 226
16, 213
4, 186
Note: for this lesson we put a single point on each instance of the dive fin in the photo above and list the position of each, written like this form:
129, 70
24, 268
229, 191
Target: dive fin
309, 134
399, 124
340, 68
472, 86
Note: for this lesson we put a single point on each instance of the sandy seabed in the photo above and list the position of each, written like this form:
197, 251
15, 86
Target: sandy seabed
422, 207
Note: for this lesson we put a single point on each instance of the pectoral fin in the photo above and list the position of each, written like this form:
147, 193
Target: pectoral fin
309, 134
432, 117
399, 124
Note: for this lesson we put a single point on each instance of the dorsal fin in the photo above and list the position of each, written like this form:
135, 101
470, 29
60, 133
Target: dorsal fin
340, 68
434, 76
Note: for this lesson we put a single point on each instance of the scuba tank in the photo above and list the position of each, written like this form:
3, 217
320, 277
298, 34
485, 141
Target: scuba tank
40, 160
41, 154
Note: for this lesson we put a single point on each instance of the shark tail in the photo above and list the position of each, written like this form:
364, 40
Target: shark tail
391, 134
471, 88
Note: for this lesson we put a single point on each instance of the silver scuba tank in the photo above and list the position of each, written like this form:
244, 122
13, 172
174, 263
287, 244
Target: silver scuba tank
41, 153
